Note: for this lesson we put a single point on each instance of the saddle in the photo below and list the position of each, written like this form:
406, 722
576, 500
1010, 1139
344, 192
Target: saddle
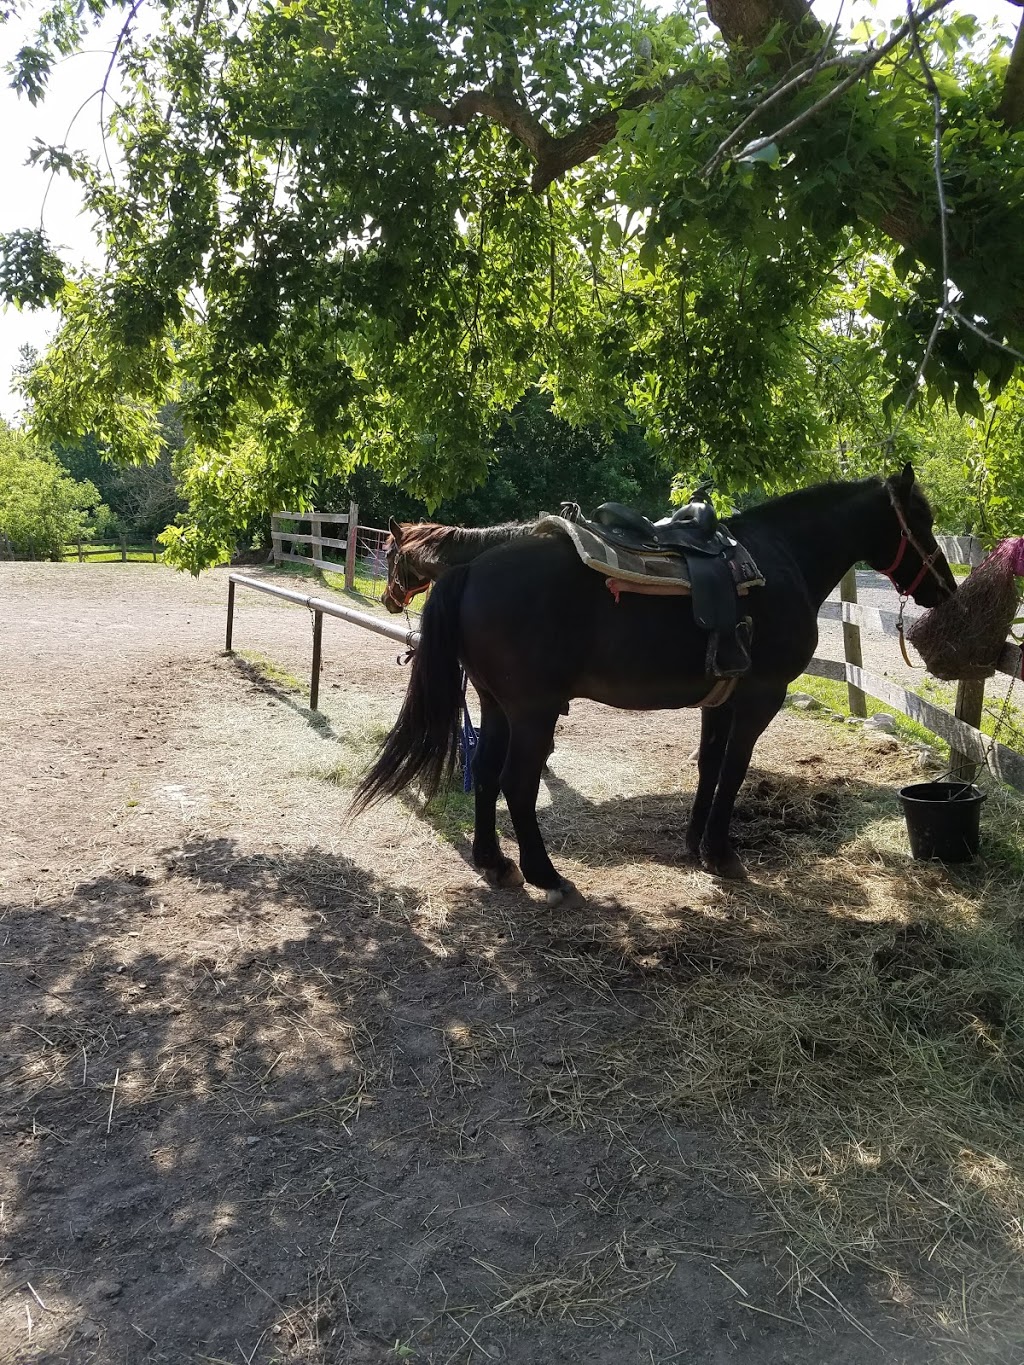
717, 568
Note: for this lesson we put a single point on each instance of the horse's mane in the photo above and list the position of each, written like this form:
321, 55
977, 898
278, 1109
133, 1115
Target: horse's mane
806, 502
430, 536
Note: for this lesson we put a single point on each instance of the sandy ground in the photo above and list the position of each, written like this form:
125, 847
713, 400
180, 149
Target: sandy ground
276, 1086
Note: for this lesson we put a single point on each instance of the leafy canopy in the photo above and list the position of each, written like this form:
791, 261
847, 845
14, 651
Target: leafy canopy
350, 231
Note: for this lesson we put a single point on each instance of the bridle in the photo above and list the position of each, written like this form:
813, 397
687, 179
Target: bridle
907, 537
400, 590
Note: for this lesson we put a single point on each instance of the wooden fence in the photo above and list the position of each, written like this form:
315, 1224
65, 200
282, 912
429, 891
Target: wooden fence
969, 748
85, 549
295, 537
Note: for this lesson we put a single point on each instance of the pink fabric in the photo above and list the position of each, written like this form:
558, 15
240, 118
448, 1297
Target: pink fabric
1014, 551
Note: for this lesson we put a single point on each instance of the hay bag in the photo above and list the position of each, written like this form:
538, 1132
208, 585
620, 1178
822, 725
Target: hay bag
964, 635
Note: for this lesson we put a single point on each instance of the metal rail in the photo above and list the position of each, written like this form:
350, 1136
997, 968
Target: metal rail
320, 608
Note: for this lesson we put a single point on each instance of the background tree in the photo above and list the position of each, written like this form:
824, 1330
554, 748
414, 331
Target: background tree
42, 509
143, 497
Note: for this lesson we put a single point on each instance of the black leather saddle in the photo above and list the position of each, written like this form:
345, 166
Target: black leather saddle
695, 533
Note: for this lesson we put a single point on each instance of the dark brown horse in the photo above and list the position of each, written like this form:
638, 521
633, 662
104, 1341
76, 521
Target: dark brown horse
417, 551
534, 627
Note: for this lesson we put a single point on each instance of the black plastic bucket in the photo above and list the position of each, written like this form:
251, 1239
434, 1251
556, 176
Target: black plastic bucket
943, 819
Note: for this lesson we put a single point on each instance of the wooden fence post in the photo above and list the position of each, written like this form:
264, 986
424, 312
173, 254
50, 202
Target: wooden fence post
124, 548
154, 549
231, 616
851, 644
316, 533
81, 553
351, 538
969, 704
314, 679
275, 530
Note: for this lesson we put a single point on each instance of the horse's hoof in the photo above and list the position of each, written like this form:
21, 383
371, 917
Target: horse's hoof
557, 894
506, 877
727, 865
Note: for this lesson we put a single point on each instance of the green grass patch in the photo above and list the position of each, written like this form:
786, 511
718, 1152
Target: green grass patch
450, 813
835, 696
270, 672
364, 587
104, 552
1004, 724
358, 751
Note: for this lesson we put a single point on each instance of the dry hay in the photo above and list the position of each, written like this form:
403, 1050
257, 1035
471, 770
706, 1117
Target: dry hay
858, 1040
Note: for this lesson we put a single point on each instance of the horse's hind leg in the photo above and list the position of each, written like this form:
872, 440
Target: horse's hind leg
751, 715
488, 761
715, 724
529, 745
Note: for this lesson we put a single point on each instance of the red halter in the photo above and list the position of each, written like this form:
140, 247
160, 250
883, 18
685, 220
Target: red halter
927, 561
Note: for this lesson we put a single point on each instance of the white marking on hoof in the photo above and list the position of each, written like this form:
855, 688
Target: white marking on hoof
559, 893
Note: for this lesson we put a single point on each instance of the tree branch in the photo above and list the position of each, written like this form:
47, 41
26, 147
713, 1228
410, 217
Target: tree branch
869, 62
746, 23
1011, 106
553, 156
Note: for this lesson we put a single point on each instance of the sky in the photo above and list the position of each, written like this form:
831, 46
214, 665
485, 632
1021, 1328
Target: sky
30, 196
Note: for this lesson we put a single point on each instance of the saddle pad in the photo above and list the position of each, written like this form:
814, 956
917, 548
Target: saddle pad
651, 567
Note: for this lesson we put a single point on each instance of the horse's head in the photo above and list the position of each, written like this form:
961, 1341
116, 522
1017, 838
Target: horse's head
909, 554
405, 579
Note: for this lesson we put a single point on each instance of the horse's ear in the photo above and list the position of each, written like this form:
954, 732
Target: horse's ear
395, 527
903, 482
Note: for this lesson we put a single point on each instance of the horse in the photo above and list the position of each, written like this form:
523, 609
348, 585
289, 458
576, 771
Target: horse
417, 551
534, 627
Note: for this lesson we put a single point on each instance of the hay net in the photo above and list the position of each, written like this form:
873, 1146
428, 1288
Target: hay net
964, 635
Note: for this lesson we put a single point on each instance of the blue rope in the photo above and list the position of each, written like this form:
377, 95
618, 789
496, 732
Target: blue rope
468, 741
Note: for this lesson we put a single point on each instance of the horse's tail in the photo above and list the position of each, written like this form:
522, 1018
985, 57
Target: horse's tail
424, 742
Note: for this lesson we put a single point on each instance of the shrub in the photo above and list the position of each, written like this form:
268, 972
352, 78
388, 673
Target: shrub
41, 508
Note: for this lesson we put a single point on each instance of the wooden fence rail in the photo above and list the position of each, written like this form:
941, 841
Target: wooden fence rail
320, 608
315, 539
969, 748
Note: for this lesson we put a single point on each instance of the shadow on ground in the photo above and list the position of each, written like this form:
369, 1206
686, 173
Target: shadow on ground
345, 1126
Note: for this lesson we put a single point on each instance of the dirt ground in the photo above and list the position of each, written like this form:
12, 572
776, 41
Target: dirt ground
280, 1086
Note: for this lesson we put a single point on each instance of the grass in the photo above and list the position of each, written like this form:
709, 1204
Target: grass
1004, 722
835, 697
364, 586
270, 671
111, 553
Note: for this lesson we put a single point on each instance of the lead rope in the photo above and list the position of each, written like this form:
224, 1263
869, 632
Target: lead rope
468, 739
900, 632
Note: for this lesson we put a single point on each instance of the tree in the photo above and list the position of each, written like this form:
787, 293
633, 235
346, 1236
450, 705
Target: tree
361, 232
143, 496
539, 461
41, 508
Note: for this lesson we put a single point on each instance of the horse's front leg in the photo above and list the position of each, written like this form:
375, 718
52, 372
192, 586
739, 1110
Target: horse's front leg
751, 716
715, 723
530, 740
488, 761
